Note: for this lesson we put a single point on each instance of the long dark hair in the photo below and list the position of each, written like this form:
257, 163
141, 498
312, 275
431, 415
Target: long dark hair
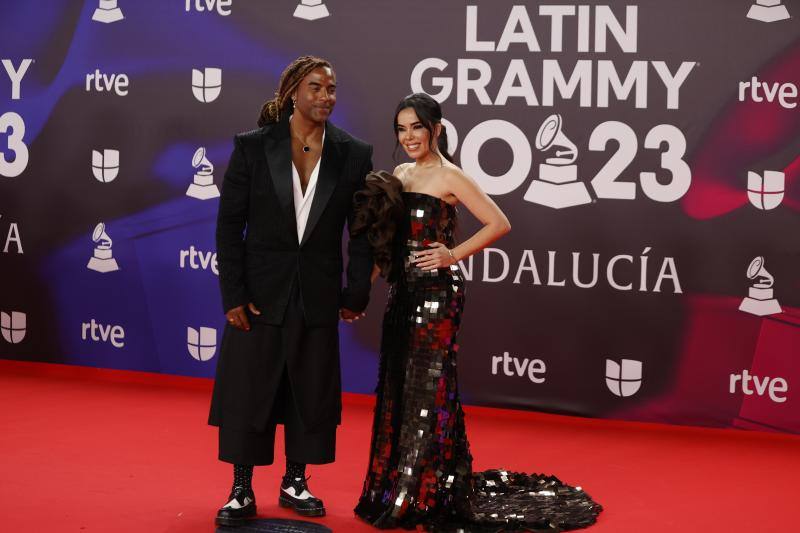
429, 113
292, 75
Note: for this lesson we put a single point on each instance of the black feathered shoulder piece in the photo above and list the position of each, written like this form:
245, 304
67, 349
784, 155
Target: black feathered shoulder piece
379, 209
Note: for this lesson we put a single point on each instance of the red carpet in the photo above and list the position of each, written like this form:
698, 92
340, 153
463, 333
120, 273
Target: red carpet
98, 450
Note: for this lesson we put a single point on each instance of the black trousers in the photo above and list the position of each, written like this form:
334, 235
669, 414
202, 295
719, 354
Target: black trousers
301, 446
317, 446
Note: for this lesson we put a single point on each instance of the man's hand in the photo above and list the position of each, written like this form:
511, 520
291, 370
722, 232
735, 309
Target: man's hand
349, 316
238, 318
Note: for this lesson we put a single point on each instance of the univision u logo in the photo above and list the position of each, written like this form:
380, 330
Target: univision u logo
202, 344
105, 165
13, 326
766, 193
206, 84
624, 378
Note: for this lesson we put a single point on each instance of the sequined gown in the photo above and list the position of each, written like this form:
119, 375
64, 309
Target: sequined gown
420, 467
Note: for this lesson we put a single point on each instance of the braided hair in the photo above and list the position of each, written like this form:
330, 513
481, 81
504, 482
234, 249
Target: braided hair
291, 77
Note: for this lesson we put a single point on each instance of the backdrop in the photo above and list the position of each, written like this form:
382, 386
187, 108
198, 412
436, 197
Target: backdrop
646, 154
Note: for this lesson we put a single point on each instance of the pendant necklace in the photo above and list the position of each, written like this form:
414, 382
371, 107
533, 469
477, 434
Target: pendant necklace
306, 148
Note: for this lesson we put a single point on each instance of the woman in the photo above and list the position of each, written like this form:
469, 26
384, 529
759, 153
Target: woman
420, 467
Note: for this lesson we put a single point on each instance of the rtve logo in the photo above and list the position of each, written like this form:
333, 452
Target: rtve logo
105, 165
771, 386
624, 378
521, 367
117, 83
762, 91
206, 84
12, 238
222, 7
13, 326
198, 259
202, 344
99, 333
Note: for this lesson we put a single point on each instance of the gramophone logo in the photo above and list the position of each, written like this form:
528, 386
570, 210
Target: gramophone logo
768, 11
766, 192
107, 11
105, 165
557, 185
13, 326
624, 378
202, 186
311, 10
202, 344
760, 299
206, 84
103, 258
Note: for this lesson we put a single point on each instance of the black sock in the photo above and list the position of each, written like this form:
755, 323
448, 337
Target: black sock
243, 477
294, 471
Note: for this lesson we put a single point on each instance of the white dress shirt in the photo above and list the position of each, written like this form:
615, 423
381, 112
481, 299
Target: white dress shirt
302, 203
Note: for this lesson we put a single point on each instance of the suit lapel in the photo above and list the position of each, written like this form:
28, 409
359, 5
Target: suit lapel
278, 149
334, 152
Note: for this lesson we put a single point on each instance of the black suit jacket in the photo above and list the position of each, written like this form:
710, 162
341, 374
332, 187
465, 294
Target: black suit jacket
258, 253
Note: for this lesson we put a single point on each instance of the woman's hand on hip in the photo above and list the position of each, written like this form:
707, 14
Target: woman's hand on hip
436, 256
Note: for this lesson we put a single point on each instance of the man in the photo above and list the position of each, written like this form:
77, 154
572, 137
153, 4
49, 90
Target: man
286, 195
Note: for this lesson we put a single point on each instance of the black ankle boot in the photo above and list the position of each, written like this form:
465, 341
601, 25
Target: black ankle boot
240, 507
295, 495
